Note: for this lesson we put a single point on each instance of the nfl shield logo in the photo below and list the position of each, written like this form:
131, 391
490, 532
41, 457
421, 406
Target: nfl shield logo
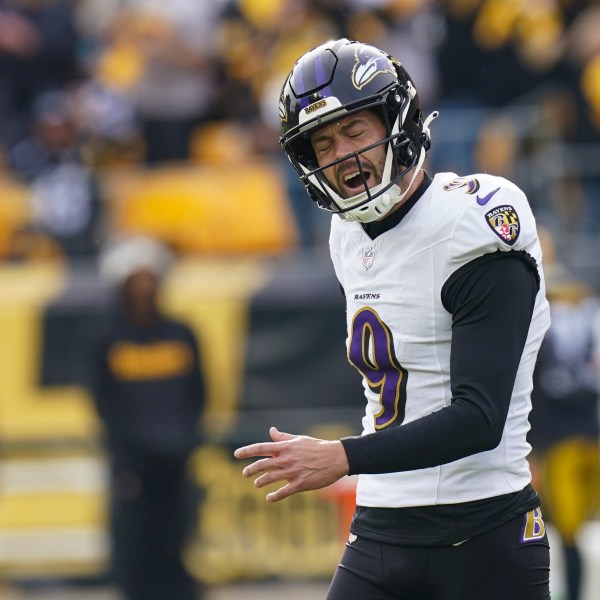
367, 258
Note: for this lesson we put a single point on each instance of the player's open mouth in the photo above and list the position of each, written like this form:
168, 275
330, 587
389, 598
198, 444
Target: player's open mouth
355, 180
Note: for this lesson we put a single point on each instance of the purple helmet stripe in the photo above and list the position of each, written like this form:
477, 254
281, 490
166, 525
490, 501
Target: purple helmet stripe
321, 76
301, 87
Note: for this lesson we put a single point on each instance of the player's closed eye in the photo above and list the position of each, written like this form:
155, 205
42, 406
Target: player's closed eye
355, 134
322, 149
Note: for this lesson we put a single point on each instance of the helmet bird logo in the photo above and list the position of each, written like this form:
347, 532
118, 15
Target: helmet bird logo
368, 67
282, 109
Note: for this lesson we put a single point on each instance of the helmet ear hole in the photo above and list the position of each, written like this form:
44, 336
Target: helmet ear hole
405, 152
394, 99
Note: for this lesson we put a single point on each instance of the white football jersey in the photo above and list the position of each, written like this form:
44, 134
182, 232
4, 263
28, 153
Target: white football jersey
399, 333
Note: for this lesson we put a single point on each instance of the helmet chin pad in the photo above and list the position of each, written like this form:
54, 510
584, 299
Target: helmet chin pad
374, 210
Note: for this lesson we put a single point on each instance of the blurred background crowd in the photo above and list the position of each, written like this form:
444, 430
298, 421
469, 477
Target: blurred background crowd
158, 118
94, 85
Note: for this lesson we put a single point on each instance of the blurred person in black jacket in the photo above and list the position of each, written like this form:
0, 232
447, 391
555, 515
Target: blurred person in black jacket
148, 388
38, 53
565, 429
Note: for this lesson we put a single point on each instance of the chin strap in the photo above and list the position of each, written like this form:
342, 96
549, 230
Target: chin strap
434, 115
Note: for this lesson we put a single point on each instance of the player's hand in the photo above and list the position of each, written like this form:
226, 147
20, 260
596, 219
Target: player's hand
304, 462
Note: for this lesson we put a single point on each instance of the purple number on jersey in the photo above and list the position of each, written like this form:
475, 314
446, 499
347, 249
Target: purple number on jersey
371, 351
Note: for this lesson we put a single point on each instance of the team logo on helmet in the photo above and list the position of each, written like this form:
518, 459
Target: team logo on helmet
368, 65
504, 222
282, 109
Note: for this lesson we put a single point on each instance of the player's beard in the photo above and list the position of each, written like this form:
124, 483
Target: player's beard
374, 169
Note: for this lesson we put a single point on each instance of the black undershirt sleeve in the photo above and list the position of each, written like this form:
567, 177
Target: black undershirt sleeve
491, 300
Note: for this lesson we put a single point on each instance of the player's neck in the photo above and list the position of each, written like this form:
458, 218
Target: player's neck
411, 190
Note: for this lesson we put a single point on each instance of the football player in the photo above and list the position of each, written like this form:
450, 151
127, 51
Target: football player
446, 311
